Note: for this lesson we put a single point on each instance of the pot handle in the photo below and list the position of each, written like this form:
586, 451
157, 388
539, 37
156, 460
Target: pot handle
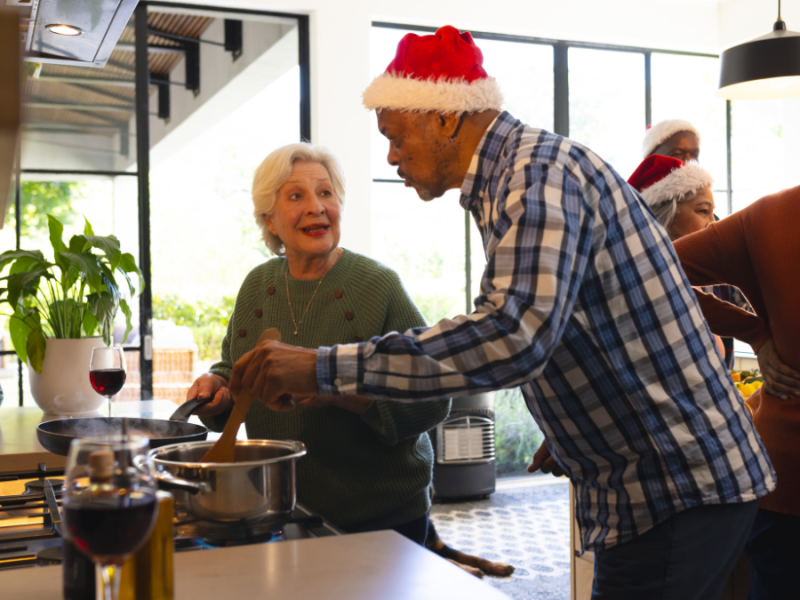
167, 481
186, 409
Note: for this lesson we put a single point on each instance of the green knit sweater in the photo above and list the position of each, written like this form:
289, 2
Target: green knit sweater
362, 472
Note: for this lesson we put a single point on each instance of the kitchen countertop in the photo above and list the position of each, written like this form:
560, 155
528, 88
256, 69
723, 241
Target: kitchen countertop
21, 451
365, 566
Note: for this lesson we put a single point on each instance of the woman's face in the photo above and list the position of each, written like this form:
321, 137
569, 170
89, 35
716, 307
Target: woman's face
307, 212
694, 213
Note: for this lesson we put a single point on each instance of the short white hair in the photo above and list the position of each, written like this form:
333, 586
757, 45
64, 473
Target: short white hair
276, 169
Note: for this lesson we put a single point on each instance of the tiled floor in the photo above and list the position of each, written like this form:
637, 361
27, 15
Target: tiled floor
527, 527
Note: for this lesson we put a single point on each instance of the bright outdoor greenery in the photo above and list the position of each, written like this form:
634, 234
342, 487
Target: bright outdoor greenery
207, 319
74, 296
44, 198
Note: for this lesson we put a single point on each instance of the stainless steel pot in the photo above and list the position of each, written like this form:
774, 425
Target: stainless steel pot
256, 492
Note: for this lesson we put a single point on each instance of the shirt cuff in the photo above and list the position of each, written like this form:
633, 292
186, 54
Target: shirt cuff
337, 370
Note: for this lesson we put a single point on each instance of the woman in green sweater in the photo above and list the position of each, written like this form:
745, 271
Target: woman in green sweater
369, 463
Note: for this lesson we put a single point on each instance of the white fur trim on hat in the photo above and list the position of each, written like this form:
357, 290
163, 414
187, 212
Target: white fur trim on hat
663, 131
678, 184
397, 92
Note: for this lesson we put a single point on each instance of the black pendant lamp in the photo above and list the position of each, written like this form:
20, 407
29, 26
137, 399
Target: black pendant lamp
766, 67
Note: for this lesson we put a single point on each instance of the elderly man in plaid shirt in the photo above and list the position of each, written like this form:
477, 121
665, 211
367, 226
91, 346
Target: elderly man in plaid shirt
584, 305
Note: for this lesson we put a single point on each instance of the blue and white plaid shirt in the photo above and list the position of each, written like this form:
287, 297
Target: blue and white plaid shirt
584, 304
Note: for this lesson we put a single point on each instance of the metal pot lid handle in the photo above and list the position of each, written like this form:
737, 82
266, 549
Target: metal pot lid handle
186, 409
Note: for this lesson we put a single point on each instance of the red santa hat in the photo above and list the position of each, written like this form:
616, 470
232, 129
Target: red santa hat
660, 132
660, 179
435, 73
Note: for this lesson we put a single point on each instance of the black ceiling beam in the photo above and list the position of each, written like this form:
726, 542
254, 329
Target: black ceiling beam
151, 48
183, 38
233, 37
162, 81
192, 63
79, 107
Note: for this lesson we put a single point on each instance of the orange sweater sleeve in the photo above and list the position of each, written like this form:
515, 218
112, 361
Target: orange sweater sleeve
718, 255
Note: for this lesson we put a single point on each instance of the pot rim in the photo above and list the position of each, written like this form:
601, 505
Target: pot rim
298, 448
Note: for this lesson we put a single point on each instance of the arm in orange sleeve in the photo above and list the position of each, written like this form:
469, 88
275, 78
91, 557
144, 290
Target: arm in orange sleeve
717, 255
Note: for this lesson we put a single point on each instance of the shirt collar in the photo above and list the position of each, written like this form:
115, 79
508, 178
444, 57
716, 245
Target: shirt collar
486, 156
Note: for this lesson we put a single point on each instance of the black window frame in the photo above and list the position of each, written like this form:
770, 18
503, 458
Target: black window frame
142, 173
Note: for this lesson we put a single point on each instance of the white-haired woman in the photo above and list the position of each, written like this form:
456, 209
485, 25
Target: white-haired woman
369, 463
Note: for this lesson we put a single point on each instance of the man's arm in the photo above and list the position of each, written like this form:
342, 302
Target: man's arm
537, 257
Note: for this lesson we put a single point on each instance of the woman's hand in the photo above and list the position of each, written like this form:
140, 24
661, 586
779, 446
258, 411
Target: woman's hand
209, 385
779, 380
544, 460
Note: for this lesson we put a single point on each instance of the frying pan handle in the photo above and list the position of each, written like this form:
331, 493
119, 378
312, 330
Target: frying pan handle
167, 481
186, 409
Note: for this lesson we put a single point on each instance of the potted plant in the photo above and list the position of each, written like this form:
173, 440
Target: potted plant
58, 309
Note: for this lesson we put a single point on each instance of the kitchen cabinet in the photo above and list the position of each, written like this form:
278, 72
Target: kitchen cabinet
582, 567
362, 566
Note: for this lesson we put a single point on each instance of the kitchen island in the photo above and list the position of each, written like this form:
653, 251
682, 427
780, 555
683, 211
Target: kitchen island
380, 565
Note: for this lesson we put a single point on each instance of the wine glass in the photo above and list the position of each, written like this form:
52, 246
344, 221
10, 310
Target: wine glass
109, 503
107, 372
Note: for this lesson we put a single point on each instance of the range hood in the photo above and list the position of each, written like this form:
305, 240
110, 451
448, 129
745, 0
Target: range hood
71, 32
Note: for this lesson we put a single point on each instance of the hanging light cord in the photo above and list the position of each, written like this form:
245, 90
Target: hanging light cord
779, 10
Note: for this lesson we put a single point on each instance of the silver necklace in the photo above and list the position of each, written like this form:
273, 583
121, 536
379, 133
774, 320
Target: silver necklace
289, 298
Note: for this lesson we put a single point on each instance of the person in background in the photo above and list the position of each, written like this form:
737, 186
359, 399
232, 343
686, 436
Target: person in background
758, 250
369, 463
584, 306
675, 138
679, 139
679, 194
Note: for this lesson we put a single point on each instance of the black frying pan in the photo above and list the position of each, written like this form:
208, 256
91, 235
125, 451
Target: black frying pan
57, 435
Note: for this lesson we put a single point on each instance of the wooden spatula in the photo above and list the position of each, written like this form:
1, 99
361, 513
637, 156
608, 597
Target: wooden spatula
224, 449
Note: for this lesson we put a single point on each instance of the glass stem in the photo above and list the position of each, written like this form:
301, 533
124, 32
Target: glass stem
111, 576
109, 405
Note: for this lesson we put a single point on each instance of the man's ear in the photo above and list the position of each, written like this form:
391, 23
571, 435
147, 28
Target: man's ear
446, 124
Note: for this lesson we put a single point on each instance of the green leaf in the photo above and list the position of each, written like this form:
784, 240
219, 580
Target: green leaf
103, 307
78, 244
88, 265
109, 245
23, 284
8, 256
87, 227
126, 310
90, 324
56, 231
35, 347
127, 264
20, 326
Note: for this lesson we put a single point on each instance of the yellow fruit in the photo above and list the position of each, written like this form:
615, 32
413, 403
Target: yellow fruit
747, 390
757, 384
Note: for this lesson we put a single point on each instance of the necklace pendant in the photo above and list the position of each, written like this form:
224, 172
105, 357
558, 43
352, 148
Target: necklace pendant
295, 331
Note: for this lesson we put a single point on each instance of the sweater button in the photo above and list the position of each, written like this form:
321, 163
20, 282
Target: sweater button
337, 294
270, 290
242, 332
348, 315
358, 338
258, 313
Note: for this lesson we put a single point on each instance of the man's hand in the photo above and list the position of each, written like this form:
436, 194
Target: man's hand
208, 386
276, 373
779, 380
543, 460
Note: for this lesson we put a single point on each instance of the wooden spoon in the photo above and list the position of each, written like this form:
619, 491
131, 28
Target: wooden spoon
224, 449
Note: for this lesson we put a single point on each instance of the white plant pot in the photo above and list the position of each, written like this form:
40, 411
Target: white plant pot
63, 386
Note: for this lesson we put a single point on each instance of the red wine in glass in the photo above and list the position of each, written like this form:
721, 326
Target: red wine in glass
107, 372
107, 382
108, 528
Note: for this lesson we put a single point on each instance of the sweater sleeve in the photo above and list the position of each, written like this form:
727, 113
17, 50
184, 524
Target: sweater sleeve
395, 421
718, 255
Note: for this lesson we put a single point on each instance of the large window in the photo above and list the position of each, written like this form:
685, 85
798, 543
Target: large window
217, 89
601, 96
